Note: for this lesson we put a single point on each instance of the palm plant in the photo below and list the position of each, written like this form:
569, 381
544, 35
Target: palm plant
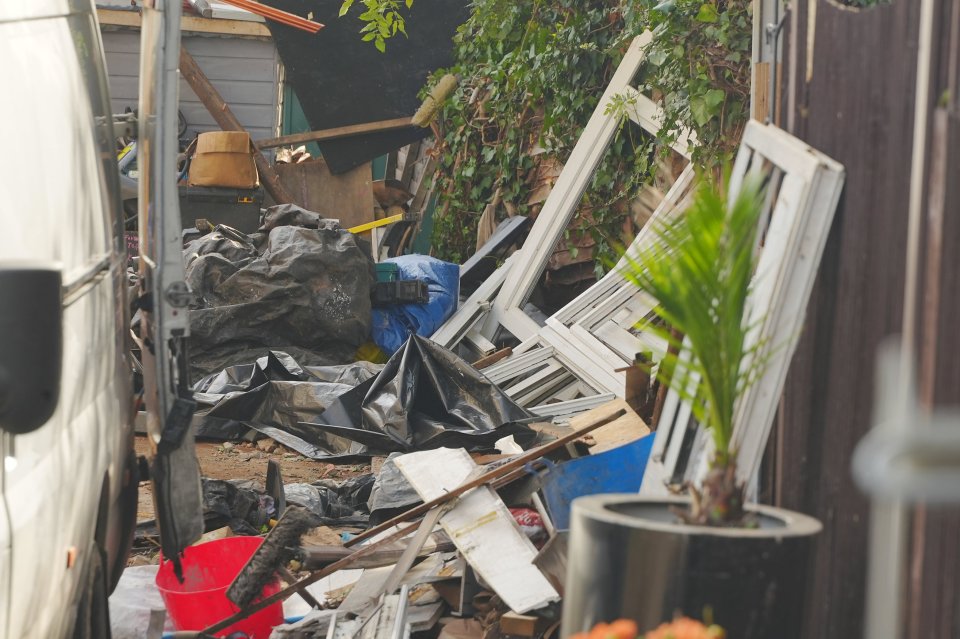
699, 270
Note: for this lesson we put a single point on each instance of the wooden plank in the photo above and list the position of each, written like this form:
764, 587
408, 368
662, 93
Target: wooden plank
515, 320
131, 19
481, 526
409, 162
586, 423
761, 91
648, 115
347, 197
517, 625
620, 431
220, 110
337, 133
492, 358
479, 343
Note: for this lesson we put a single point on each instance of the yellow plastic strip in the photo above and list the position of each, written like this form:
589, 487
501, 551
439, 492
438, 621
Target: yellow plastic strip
372, 225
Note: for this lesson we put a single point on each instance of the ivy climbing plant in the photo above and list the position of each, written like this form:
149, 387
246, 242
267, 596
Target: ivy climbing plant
699, 61
531, 74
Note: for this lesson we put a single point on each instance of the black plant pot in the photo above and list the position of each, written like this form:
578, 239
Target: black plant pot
630, 558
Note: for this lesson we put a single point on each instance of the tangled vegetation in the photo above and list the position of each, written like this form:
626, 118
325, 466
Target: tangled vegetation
531, 74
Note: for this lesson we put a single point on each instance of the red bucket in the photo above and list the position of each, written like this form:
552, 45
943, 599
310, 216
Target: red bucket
201, 600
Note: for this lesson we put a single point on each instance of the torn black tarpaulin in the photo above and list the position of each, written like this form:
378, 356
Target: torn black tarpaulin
364, 85
272, 392
236, 504
391, 493
425, 397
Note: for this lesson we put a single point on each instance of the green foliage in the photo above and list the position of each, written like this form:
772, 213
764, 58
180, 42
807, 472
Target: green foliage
700, 270
701, 59
531, 75
382, 20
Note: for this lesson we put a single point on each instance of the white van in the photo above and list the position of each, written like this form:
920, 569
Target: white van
69, 477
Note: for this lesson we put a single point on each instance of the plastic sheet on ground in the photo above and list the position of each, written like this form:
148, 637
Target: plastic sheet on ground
334, 503
234, 504
271, 392
425, 397
293, 287
135, 596
392, 325
391, 493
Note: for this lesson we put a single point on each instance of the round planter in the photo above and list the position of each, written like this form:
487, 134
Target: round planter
630, 558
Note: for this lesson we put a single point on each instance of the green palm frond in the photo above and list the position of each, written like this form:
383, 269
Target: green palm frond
699, 270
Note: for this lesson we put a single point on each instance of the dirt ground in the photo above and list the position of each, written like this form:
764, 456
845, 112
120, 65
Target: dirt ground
244, 460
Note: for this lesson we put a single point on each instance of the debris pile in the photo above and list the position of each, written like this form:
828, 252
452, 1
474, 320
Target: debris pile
461, 526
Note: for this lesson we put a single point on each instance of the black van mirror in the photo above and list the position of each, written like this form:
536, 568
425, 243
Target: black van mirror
31, 345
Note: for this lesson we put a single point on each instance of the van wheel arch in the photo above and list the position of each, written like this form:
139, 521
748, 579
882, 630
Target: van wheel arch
93, 610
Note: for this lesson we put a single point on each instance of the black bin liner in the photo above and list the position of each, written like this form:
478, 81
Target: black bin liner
425, 397
297, 289
273, 391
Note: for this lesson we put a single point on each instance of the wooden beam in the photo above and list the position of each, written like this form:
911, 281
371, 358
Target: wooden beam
335, 133
222, 114
193, 24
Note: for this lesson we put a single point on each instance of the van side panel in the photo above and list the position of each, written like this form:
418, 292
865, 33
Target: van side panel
62, 209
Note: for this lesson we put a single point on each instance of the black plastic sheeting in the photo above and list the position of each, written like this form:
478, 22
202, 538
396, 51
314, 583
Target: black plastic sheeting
391, 494
425, 397
334, 503
246, 509
235, 504
341, 80
273, 391
298, 289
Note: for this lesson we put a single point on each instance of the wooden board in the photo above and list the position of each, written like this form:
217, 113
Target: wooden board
194, 24
347, 197
481, 526
620, 431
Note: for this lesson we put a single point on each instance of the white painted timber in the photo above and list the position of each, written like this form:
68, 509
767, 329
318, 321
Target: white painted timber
565, 196
803, 189
481, 527
595, 335
509, 291
473, 309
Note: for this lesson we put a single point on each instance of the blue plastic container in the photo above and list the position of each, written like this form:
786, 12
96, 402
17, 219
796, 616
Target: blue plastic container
619, 470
